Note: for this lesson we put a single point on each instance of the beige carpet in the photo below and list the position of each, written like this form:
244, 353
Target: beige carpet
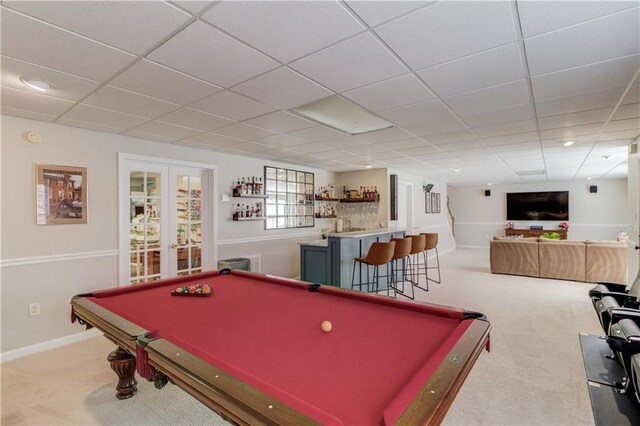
533, 374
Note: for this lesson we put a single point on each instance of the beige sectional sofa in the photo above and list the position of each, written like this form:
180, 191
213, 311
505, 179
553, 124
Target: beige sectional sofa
589, 261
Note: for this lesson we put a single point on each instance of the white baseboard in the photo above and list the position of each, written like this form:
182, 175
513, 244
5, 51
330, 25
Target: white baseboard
49, 344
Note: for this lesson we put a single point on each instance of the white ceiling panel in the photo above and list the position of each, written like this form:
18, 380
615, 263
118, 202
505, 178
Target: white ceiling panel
209, 45
539, 17
449, 30
633, 95
244, 132
281, 122
212, 140
129, 102
517, 138
195, 119
425, 111
628, 124
232, 105
601, 76
565, 48
500, 116
420, 150
584, 117
392, 93
162, 131
97, 116
516, 147
624, 134
280, 141
627, 111
193, 6
310, 148
285, 30
45, 45
615, 143
375, 13
334, 155
501, 96
386, 135
29, 115
316, 133
496, 66
65, 86
457, 136
283, 89
570, 132
464, 145
30, 101
434, 127
344, 142
353, 63
579, 140
139, 24
160, 82
582, 102
251, 147
506, 129
403, 144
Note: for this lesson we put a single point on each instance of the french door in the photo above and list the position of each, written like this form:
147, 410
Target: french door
165, 217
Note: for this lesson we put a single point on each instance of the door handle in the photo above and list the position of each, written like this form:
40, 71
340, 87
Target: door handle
173, 246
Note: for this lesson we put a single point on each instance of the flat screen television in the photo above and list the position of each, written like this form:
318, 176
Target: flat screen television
552, 205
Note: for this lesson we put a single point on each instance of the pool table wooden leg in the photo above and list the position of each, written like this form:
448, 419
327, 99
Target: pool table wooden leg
124, 365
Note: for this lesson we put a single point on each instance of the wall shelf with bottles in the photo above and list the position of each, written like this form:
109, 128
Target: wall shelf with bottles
359, 200
242, 212
325, 217
250, 196
251, 187
366, 194
326, 199
243, 219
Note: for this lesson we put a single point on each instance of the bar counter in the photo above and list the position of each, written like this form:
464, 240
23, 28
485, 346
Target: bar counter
330, 261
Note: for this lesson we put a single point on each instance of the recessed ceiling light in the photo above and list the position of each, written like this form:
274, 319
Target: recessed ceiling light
343, 115
489, 184
368, 166
456, 170
606, 157
588, 178
568, 143
36, 84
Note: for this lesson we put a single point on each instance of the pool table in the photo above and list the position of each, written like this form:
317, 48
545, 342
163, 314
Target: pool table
254, 351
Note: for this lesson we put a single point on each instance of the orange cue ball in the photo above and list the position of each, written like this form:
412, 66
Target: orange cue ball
326, 326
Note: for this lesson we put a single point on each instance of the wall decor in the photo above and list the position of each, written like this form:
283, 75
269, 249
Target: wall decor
290, 198
437, 202
434, 202
61, 194
427, 202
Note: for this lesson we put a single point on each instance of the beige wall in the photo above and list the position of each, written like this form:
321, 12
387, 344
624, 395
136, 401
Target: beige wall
50, 264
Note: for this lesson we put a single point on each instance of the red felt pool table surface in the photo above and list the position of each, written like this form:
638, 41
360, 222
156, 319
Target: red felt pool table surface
266, 331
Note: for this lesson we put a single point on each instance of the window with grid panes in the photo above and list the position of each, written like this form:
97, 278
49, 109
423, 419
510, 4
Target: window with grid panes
289, 202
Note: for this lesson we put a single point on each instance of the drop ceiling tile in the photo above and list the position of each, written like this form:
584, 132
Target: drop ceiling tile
162, 132
356, 62
574, 119
520, 137
496, 66
283, 88
500, 116
623, 134
403, 144
506, 129
344, 142
140, 24
392, 93
127, 102
618, 125
464, 145
364, 149
333, 155
97, 116
209, 45
33, 41
633, 95
195, 119
582, 102
419, 150
377, 12
281, 122
285, 30
29, 115
158, 81
281, 141
232, 106
515, 147
244, 132
627, 111
502, 96
385, 135
65, 86
457, 136
311, 148
316, 133
581, 139
384, 157
251, 147
609, 37
35, 102
569, 132
449, 30
600, 76
213, 140
541, 17
615, 143
434, 127
425, 111
193, 6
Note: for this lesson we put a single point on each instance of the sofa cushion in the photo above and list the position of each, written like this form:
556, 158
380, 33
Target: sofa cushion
514, 257
606, 262
564, 261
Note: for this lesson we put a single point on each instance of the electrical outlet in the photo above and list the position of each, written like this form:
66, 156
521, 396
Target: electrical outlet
34, 309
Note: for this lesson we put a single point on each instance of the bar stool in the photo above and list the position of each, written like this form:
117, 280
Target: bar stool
431, 244
417, 248
401, 252
379, 254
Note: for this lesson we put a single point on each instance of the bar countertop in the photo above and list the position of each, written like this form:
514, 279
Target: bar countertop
365, 232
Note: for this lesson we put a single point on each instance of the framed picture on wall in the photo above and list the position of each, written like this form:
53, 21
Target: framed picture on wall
427, 202
61, 194
438, 202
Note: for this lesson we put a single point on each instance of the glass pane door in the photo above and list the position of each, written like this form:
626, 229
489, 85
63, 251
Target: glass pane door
188, 213
145, 223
